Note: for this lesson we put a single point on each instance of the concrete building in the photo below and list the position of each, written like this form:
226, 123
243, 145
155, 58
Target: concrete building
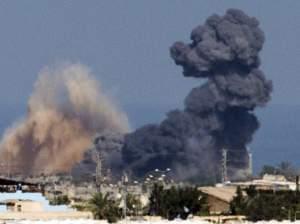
219, 198
22, 206
18, 209
268, 182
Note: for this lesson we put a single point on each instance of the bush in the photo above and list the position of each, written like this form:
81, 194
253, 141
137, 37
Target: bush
60, 200
176, 202
80, 207
133, 204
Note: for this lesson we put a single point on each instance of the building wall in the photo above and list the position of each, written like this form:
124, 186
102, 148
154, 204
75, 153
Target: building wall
217, 206
27, 206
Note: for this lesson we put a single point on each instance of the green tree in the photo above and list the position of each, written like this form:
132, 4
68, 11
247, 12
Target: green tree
284, 168
156, 199
60, 200
238, 204
133, 204
103, 207
266, 204
177, 202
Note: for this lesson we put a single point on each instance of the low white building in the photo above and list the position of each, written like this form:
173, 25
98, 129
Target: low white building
14, 205
268, 182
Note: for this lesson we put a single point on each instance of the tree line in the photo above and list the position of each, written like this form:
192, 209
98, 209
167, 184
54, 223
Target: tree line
182, 202
266, 204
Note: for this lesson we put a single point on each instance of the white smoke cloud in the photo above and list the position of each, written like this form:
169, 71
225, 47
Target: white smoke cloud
67, 108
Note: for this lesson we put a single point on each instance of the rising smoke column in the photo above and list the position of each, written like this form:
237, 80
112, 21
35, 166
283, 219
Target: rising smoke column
217, 114
65, 111
107, 148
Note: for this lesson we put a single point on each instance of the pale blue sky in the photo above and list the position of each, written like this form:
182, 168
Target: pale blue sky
126, 45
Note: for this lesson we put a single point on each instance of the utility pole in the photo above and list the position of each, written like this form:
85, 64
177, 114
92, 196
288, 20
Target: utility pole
125, 181
250, 165
297, 183
224, 166
98, 171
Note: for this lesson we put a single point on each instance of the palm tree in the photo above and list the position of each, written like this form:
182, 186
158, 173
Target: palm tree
103, 207
99, 205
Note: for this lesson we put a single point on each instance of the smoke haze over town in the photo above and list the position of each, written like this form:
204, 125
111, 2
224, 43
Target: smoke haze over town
135, 67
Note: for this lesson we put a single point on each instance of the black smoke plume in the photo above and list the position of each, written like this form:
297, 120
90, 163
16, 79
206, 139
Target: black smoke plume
218, 114
107, 151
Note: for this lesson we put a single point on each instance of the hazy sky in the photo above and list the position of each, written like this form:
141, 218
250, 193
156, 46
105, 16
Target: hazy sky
126, 45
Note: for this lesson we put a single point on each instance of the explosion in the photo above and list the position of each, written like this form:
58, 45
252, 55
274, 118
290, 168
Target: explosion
67, 108
218, 114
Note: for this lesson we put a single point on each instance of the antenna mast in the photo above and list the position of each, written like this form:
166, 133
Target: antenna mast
224, 166
98, 171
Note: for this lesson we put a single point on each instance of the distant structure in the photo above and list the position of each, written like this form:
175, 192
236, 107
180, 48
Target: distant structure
11, 186
267, 182
250, 162
224, 166
17, 205
99, 176
230, 156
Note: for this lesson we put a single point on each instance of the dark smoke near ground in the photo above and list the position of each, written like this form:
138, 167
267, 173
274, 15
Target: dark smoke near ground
107, 151
217, 114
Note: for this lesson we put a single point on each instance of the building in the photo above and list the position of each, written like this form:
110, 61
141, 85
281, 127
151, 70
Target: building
268, 182
22, 206
8, 185
219, 198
